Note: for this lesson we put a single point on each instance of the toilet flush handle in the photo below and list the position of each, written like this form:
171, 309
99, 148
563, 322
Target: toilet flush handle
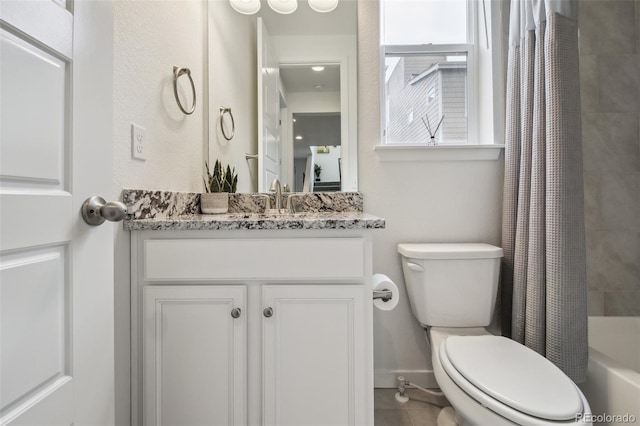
415, 267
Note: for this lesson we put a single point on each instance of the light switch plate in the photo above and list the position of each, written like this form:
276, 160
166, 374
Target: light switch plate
139, 143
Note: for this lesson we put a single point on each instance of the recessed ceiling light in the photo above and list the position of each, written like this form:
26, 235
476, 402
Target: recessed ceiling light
299, 137
294, 120
317, 68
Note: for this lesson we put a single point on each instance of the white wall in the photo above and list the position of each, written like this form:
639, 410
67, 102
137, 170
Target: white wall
307, 102
150, 37
233, 83
329, 163
456, 201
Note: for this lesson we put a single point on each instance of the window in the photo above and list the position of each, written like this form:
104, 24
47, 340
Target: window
431, 94
428, 71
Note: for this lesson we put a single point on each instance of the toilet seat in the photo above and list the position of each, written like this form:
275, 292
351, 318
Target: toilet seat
489, 369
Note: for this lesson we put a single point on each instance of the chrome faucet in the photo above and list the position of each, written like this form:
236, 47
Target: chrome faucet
290, 197
275, 186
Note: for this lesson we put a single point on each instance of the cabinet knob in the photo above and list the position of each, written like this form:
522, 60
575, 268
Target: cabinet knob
268, 312
235, 313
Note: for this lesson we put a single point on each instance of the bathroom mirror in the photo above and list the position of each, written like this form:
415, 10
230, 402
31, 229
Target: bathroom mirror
285, 87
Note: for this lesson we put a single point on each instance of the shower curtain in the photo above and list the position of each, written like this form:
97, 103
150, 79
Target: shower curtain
544, 286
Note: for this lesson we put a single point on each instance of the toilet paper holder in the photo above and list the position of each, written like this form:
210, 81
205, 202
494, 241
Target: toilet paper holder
385, 295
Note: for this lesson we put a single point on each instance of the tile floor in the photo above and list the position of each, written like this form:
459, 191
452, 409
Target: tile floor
417, 412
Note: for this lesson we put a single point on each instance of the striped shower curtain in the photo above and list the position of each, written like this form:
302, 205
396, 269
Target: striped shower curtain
544, 290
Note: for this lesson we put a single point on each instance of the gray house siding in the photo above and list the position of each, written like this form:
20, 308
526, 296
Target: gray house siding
454, 105
408, 102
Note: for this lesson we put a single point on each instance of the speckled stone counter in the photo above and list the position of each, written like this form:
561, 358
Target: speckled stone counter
162, 210
233, 221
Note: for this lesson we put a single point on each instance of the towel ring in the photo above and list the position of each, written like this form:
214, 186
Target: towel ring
223, 111
177, 72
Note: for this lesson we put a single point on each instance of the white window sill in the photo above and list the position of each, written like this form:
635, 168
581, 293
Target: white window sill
419, 152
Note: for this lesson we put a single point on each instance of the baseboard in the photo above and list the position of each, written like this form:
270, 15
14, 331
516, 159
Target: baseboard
389, 378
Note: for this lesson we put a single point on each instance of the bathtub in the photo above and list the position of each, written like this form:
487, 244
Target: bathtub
613, 376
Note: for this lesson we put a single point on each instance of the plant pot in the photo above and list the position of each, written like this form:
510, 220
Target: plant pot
214, 202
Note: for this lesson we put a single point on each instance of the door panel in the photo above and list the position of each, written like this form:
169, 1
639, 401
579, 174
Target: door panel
269, 149
314, 355
23, 222
34, 92
34, 295
56, 272
194, 356
36, 313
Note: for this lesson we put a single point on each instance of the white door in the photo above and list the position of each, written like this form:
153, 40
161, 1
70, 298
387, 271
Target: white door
56, 272
314, 355
268, 110
195, 356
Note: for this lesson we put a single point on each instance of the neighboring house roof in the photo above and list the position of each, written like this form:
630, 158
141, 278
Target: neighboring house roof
437, 67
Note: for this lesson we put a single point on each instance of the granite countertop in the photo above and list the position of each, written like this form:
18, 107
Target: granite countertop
165, 211
233, 221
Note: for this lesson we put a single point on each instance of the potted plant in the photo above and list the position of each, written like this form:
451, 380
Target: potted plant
218, 185
317, 169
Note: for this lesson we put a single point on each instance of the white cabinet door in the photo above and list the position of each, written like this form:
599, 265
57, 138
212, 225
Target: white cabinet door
314, 355
194, 355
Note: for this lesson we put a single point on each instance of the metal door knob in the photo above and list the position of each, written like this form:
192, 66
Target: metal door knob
96, 210
235, 313
268, 312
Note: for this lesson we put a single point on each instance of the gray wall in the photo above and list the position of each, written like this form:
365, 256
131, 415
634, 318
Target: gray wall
610, 85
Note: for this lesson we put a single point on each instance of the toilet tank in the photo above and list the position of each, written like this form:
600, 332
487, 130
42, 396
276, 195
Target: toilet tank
451, 285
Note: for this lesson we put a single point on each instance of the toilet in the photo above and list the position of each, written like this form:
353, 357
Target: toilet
489, 380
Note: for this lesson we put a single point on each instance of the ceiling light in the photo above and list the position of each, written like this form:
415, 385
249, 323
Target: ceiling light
319, 87
323, 6
246, 7
299, 138
284, 7
317, 68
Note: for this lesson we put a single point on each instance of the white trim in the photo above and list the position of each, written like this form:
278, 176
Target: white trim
423, 152
429, 49
477, 132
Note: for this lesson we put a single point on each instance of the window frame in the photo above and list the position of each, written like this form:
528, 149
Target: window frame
430, 89
472, 87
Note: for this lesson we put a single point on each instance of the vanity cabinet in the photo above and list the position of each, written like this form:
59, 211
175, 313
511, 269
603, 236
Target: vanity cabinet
252, 328
313, 353
194, 355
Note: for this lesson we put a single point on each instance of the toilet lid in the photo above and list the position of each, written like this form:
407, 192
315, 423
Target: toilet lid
512, 374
